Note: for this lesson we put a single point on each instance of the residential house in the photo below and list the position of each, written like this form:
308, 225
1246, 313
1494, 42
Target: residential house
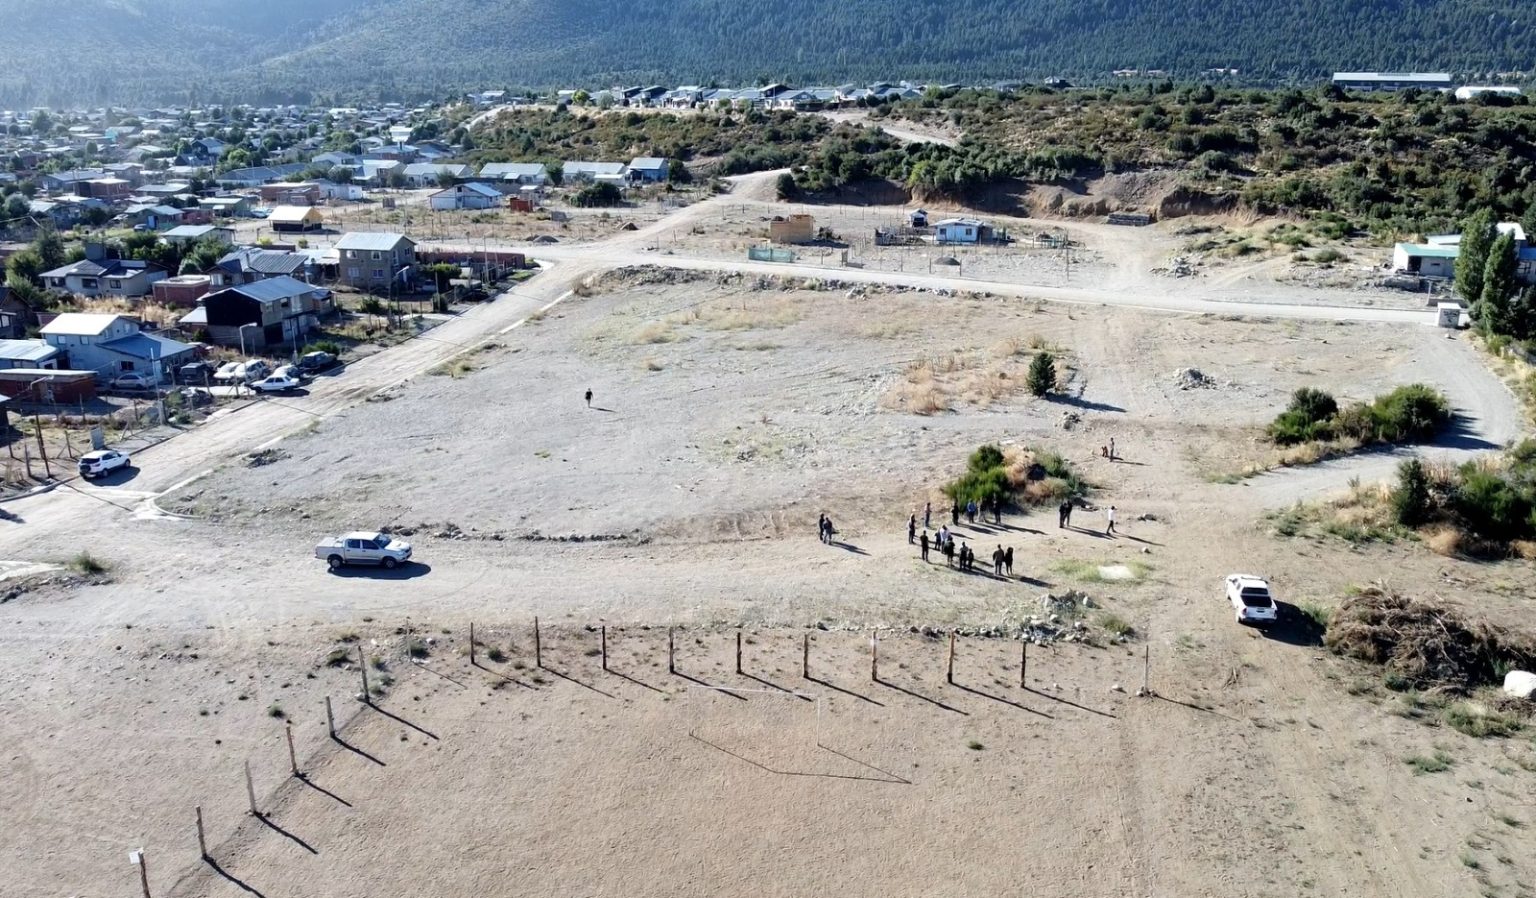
112, 345
229, 206
334, 191
1425, 260
249, 264
108, 189
472, 195
62, 215
431, 174
15, 315
306, 193
97, 275
516, 172
378, 171
183, 290
29, 354
258, 315
296, 218
153, 216
65, 181
374, 261
958, 230
577, 172
649, 169
186, 235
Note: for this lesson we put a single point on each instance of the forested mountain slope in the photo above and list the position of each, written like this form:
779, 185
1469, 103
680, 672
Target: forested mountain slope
422, 47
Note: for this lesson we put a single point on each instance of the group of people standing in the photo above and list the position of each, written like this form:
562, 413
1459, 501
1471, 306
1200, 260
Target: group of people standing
824, 529
963, 556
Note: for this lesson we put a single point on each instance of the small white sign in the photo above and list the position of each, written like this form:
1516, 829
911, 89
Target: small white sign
136, 857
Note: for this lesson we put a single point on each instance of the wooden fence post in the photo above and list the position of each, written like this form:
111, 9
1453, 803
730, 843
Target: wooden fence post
137, 857
362, 665
293, 759
738, 651
949, 675
202, 839
805, 658
604, 632
471, 643
538, 646
874, 655
1023, 662
250, 790
671, 650
330, 719
1146, 671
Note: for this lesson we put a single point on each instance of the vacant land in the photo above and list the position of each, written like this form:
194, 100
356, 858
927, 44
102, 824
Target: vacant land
728, 411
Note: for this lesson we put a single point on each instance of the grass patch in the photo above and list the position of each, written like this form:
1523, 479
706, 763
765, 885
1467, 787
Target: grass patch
337, 657
88, 564
654, 332
1105, 572
454, 368
496, 654
1114, 624
1478, 720
276, 711
1439, 762
417, 649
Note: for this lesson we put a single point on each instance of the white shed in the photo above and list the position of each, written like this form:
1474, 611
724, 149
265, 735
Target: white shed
957, 230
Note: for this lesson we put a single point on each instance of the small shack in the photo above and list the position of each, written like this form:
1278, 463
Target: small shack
959, 230
1428, 260
794, 229
296, 218
918, 218
47, 386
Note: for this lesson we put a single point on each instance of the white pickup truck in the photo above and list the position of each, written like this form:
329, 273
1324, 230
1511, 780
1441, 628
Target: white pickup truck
361, 547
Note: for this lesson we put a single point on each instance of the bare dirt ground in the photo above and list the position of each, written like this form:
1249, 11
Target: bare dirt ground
728, 411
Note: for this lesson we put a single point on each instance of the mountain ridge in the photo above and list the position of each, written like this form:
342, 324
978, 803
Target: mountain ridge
407, 49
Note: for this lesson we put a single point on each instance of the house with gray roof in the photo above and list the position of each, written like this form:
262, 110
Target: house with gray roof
375, 261
520, 172
577, 172
279, 310
650, 169
97, 275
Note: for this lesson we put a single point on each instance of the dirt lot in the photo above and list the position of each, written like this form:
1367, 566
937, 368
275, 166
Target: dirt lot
727, 413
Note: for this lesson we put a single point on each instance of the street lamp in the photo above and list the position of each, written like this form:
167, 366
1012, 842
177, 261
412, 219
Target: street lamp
242, 336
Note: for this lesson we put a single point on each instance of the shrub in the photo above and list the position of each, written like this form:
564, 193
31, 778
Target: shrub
599, 195
1042, 374
416, 649
1305, 419
1410, 500
985, 478
86, 563
1491, 506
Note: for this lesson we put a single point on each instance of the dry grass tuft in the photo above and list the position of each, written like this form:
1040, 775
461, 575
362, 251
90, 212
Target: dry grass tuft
653, 332
741, 314
1443, 540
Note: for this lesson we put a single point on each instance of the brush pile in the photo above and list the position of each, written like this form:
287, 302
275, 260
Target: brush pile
1423, 645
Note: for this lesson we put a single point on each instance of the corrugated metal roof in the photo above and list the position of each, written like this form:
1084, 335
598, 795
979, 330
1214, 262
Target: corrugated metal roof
80, 324
270, 290
370, 240
1430, 252
146, 346
27, 350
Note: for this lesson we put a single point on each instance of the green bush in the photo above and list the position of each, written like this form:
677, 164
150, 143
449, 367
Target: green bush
985, 478
1409, 414
1411, 498
1493, 507
1307, 418
1042, 374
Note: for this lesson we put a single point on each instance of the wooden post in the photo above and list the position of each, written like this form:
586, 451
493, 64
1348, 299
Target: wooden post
330, 719
250, 790
1146, 671
293, 759
949, 675
604, 633
1023, 662
874, 655
471, 643
805, 658
538, 647
362, 665
738, 651
671, 650
138, 858
202, 839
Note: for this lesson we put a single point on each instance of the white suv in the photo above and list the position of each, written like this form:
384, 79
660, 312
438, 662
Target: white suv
102, 462
1251, 600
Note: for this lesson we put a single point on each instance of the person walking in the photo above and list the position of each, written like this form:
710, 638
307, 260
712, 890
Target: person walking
1110, 516
830, 531
949, 553
589, 398
912, 530
1112, 456
970, 511
1008, 561
923, 545
1064, 514
997, 561
954, 513
997, 512
821, 526
927, 515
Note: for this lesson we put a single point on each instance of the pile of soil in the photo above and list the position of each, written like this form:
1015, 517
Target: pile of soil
1424, 645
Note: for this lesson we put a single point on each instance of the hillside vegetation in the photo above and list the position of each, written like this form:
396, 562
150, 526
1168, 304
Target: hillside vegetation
415, 48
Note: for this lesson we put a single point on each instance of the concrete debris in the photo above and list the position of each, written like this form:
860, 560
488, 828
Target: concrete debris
1070, 420
1192, 379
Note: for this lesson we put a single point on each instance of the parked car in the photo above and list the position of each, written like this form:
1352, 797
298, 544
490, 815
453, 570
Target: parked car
316, 361
361, 547
276, 383
227, 371
102, 462
195, 373
1251, 599
255, 369
132, 381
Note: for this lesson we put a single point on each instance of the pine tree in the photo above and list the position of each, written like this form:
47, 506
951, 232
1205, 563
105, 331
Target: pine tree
1042, 374
1498, 285
1410, 501
1477, 234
